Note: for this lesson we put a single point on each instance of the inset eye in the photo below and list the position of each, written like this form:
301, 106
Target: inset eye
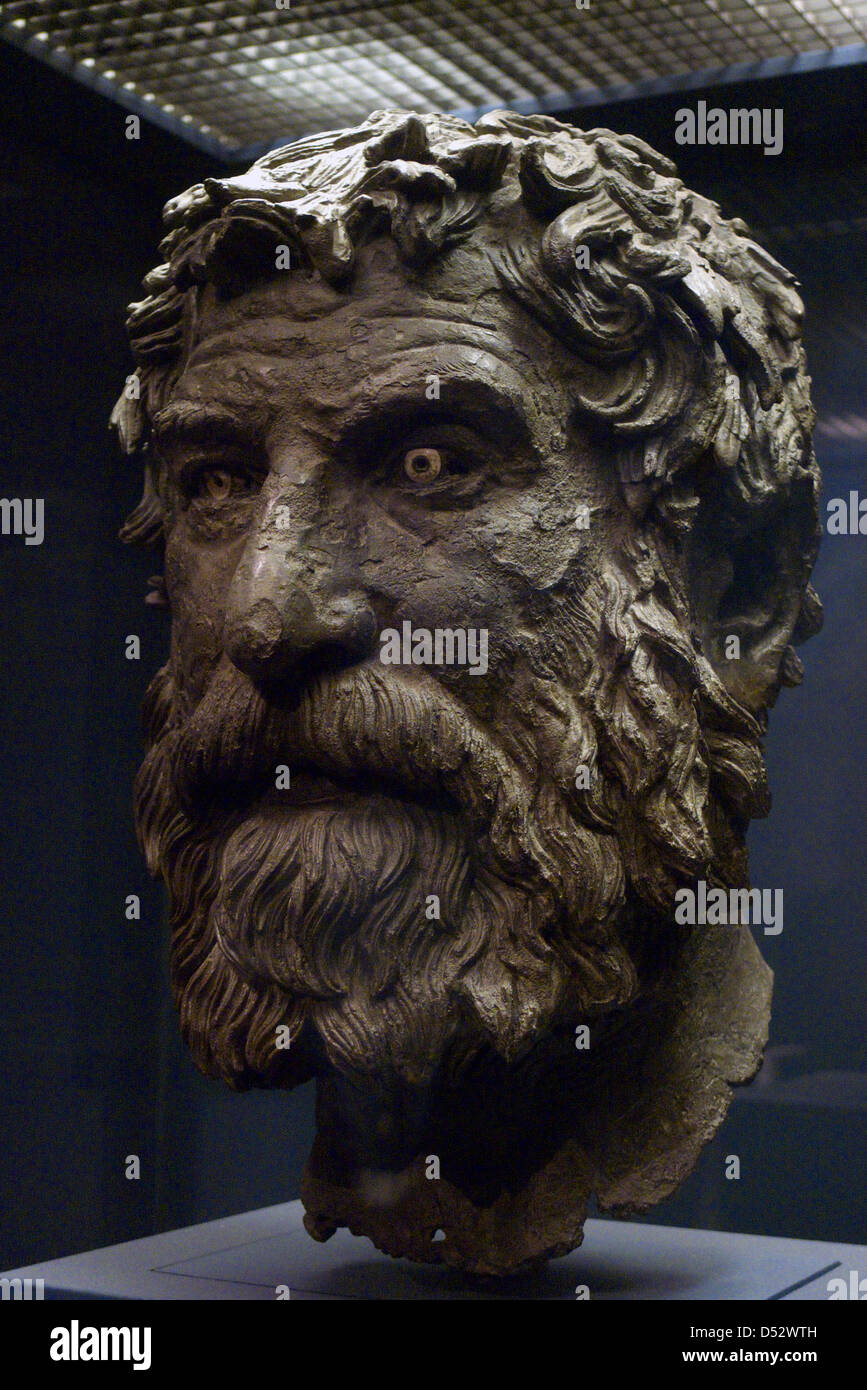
422, 465
217, 483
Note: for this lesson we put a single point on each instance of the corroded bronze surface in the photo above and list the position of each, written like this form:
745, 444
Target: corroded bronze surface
481, 459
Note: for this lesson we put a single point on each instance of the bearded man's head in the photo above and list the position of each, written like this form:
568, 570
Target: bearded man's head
481, 456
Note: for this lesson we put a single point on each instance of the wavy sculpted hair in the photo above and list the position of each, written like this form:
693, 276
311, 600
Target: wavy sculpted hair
686, 334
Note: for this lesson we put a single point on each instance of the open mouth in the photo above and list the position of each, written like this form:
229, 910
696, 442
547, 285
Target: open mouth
310, 786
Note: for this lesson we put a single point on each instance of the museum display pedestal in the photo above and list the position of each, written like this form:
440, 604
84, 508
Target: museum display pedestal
250, 1255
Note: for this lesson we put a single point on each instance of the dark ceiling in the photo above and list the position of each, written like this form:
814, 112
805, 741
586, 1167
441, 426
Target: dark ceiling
236, 75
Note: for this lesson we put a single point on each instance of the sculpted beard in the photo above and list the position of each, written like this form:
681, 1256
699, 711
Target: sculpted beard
554, 902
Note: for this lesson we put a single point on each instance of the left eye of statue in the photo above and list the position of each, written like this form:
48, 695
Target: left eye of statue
216, 483
422, 465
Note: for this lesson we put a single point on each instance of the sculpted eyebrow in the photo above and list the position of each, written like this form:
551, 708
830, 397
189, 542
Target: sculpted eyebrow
186, 422
477, 402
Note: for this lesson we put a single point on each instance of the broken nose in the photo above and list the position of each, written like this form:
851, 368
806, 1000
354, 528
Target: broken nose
255, 638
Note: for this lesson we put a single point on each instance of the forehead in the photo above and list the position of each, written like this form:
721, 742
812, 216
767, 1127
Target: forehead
391, 322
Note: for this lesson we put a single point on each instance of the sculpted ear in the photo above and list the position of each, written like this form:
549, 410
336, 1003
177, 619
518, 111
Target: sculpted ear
755, 531
130, 418
144, 525
748, 570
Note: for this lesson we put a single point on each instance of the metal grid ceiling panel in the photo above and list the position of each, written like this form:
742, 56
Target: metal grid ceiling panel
244, 73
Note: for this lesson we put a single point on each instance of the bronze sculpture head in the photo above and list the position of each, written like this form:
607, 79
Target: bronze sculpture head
482, 460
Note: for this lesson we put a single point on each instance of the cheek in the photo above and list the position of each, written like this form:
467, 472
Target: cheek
486, 564
435, 570
533, 543
197, 581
